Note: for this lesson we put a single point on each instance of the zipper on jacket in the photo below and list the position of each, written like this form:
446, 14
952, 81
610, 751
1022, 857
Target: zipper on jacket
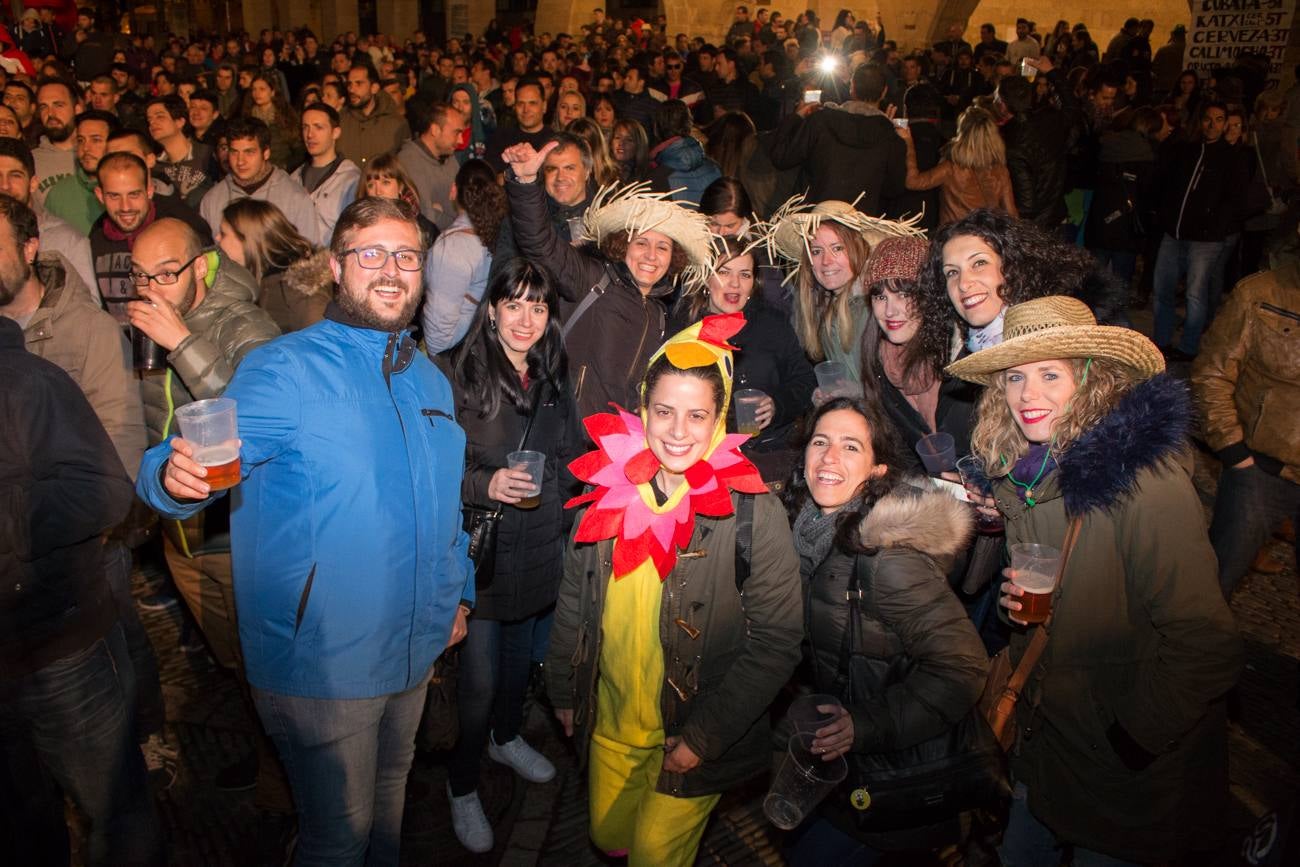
631, 371
302, 600
1280, 311
1187, 193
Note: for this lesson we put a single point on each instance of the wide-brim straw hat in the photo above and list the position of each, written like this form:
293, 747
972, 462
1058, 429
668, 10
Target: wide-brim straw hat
635, 208
1058, 326
793, 225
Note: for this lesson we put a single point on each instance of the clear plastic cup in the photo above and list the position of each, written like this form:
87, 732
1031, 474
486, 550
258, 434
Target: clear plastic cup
833, 378
804, 715
747, 401
1034, 567
803, 780
575, 231
213, 428
533, 463
976, 481
938, 453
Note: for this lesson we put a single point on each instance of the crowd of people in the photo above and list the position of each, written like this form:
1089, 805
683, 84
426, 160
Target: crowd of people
734, 295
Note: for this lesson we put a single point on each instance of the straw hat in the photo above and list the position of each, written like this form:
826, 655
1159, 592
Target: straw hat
1058, 326
793, 225
634, 208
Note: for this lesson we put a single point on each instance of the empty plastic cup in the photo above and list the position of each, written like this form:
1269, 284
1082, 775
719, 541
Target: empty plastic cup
804, 715
1034, 567
212, 427
801, 783
747, 401
575, 231
973, 477
938, 453
533, 463
833, 378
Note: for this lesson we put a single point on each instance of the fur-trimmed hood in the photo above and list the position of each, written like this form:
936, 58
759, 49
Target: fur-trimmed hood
926, 521
310, 276
1150, 425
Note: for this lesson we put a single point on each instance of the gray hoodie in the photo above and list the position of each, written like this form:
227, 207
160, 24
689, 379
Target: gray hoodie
279, 189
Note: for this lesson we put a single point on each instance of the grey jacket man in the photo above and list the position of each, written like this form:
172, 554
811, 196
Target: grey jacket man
279, 189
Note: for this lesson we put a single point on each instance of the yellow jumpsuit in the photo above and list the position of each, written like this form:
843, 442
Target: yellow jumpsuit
627, 752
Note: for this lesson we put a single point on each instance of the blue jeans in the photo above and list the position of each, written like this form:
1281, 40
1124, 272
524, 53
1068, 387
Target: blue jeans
1194, 261
494, 663
74, 713
147, 702
1027, 842
1218, 274
1250, 503
818, 843
347, 762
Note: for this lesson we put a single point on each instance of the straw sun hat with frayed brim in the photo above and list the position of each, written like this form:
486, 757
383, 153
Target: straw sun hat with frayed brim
1058, 327
634, 209
793, 225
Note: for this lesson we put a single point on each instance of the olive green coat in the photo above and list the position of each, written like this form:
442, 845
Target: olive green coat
1142, 643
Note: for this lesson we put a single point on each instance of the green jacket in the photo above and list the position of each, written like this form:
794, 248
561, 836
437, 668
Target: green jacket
1121, 737
73, 199
744, 651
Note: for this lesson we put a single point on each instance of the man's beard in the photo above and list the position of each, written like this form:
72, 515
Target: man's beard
58, 134
355, 305
12, 282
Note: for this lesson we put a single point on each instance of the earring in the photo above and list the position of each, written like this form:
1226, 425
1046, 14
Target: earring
492, 323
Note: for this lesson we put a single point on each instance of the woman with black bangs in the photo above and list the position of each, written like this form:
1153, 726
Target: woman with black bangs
511, 369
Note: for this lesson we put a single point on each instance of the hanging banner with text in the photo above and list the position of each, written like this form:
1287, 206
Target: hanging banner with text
1223, 29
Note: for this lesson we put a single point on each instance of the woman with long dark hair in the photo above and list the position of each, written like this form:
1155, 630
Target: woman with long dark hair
510, 374
631, 149
295, 277
731, 215
864, 533
264, 101
459, 263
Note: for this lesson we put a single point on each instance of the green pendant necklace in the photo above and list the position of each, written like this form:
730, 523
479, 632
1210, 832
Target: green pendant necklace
1030, 502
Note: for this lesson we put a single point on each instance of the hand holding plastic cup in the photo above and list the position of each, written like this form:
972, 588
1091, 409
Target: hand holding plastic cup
977, 483
534, 464
805, 714
938, 453
575, 231
1033, 568
212, 427
833, 380
747, 401
803, 780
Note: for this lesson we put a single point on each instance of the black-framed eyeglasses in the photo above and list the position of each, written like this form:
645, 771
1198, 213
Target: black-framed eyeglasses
674, 66
162, 278
374, 258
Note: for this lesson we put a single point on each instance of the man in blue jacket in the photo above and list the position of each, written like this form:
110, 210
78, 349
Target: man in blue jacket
350, 565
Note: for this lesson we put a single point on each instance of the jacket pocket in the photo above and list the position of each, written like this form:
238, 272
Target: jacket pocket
302, 600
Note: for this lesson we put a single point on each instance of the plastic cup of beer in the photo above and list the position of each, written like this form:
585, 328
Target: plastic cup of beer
1034, 567
1028, 70
575, 231
533, 463
833, 378
747, 402
801, 783
212, 428
805, 714
938, 453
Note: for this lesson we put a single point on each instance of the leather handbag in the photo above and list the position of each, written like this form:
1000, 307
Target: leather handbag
481, 524
1004, 684
960, 769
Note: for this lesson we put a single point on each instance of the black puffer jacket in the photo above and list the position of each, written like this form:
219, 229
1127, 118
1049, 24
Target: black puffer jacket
1199, 187
1037, 173
845, 153
923, 666
61, 486
612, 343
770, 359
530, 542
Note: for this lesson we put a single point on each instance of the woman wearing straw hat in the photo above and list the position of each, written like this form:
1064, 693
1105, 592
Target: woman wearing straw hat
1121, 740
643, 243
664, 659
829, 244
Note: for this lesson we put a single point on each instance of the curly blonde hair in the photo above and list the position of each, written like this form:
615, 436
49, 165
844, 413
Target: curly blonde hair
997, 439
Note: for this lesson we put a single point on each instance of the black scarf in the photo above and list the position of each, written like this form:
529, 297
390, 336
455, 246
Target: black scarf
814, 534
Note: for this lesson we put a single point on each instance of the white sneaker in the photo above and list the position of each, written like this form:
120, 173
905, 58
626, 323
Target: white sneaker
527, 762
469, 822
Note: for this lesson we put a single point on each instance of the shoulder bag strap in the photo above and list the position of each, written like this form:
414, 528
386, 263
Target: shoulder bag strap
585, 304
1038, 643
860, 576
528, 428
744, 539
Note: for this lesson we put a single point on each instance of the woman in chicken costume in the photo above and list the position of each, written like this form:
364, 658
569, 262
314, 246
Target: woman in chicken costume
679, 615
